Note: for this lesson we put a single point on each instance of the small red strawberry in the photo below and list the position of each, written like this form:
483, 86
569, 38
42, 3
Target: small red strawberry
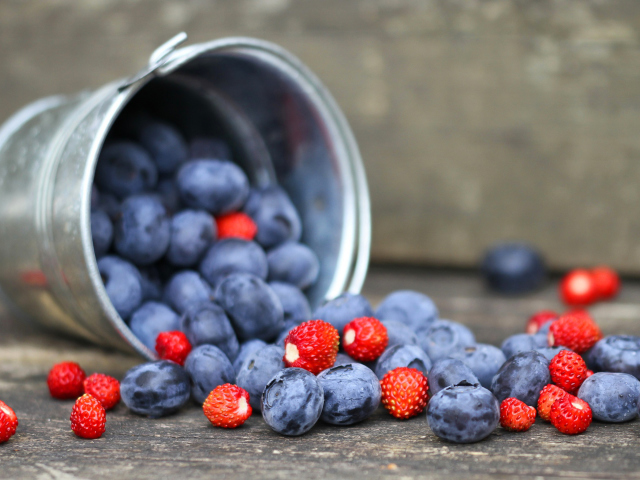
312, 345
574, 330
570, 415
227, 406
405, 392
589, 373
365, 339
173, 346
548, 395
568, 371
88, 417
8, 422
103, 388
607, 282
538, 319
578, 288
65, 381
236, 225
516, 416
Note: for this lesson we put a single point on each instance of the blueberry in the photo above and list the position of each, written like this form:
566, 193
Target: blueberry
341, 310
101, 232
483, 360
206, 323
169, 195
233, 255
246, 349
343, 359
253, 308
186, 290
513, 268
293, 263
143, 231
192, 231
550, 352
447, 372
294, 304
463, 413
523, 376
396, 356
399, 333
95, 197
207, 367
125, 169
150, 320
213, 185
351, 394
523, 342
151, 283
292, 401
155, 389
209, 148
545, 327
275, 216
443, 337
165, 145
122, 283
613, 397
288, 326
256, 371
616, 353
110, 205
414, 309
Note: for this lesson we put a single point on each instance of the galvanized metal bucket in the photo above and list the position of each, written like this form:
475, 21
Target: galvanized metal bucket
282, 124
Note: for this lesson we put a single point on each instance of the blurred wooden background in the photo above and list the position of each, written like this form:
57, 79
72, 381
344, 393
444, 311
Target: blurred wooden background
478, 120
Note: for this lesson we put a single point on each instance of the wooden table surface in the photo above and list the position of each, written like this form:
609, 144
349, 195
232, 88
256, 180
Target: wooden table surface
186, 445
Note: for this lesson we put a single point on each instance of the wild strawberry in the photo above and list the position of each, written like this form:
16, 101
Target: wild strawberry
607, 282
227, 406
8, 422
236, 225
589, 373
312, 345
88, 417
103, 388
516, 416
365, 339
404, 392
578, 288
568, 371
65, 380
574, 330
173, 346
548, 395
570, 415
537, 320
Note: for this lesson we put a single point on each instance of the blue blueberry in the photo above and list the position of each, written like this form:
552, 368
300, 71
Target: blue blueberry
443, 337
513, 268
207, 367
448, 372
209, 148
252, 307
214, 185
151, 283
192, 232
275, 216
292, 401
616, 353
125, 169
351, 394
206, 323
257, 369
155, 389
396, 356
399, 333
110, 205
95, 197
186, 290
550, 352
288, 326
522, 376
341, 310
101, 232
613, 397
294, 303
122, 283
463, 413
143, 231
523, 342
414, 309
165, 144
152, 318
483, 360
169, 195
233, 255
246, 349
293, 263
545, 327
343, 359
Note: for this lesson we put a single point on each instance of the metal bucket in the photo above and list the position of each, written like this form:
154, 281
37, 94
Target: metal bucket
282, 125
